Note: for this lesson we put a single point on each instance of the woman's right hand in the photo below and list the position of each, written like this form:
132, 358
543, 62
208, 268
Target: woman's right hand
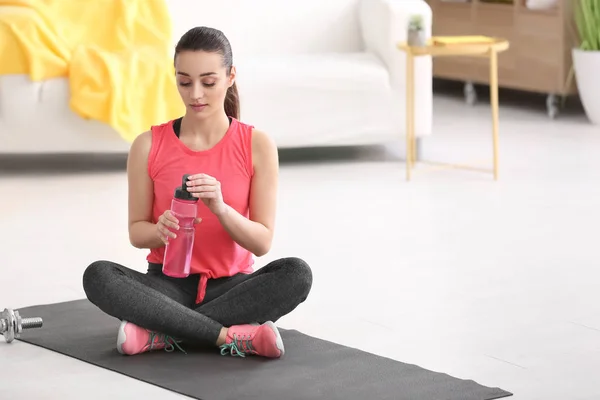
165, 221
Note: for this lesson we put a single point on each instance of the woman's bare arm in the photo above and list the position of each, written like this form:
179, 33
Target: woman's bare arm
142, 232
256, 233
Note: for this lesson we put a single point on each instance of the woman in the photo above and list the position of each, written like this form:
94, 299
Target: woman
234, 170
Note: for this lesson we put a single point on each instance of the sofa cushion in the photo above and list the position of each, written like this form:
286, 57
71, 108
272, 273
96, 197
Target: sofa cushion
328, 98
35, 117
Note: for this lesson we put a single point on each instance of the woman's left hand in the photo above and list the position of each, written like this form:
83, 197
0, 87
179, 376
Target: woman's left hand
207, 189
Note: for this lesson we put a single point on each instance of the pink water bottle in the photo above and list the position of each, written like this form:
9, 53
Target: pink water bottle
178, 252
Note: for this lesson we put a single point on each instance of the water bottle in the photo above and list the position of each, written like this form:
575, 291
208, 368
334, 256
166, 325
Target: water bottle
178, 252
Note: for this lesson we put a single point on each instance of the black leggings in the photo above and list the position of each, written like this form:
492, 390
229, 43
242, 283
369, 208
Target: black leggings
167, 305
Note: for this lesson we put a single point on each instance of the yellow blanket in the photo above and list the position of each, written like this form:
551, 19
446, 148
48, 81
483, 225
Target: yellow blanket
117, 55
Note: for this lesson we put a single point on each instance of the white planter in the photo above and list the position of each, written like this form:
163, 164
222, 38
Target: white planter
541, 4
417, 38
587, 65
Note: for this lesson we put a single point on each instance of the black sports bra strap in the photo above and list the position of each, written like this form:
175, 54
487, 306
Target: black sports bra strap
177, 126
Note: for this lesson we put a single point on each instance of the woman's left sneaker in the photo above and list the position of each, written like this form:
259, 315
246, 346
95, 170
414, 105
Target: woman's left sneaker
133, 339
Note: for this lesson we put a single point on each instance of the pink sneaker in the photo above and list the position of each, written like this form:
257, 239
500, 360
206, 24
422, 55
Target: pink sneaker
133, 339
262, 340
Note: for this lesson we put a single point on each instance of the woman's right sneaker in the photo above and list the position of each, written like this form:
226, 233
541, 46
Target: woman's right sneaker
252, 339
133, 339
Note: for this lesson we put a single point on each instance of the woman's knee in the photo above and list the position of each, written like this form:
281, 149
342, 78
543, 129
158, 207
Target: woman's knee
96, 277
301, 274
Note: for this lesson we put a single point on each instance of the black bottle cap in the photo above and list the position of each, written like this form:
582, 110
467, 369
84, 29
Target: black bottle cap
182, 193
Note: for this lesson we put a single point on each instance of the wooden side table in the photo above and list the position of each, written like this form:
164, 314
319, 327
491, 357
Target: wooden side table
474, 49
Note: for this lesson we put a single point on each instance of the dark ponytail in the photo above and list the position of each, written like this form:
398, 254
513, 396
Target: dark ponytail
207, 39
232, 102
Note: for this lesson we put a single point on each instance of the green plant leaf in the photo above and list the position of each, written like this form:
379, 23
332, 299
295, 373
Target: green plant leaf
587, 20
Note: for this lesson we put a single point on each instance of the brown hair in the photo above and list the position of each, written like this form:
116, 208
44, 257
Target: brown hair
207, 39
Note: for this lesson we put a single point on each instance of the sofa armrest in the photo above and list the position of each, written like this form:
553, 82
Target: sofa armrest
384, 23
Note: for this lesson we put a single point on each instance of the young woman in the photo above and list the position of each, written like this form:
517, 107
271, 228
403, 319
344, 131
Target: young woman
234, 172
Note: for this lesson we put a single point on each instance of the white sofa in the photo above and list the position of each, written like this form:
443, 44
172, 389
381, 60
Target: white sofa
310, 73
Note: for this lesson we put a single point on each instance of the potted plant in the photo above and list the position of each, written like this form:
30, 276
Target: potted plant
586, 57
416, 32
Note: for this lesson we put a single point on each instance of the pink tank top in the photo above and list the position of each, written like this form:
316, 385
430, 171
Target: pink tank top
215, 254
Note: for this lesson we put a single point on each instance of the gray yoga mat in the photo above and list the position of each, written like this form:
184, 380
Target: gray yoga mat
311, 368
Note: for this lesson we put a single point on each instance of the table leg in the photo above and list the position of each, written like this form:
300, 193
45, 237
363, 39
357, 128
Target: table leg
410, 112
495, 106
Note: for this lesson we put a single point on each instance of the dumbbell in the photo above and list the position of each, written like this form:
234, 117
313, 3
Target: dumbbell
11, 324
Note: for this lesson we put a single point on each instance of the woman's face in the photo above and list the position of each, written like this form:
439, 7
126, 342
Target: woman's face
202, 82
